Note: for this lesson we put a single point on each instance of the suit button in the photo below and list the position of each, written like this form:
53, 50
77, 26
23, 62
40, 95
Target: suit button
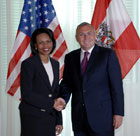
43, 110
50, 95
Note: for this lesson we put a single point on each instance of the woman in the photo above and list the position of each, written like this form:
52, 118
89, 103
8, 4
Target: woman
39, 88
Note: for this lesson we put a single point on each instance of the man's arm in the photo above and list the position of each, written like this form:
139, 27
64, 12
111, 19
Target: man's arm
116, 90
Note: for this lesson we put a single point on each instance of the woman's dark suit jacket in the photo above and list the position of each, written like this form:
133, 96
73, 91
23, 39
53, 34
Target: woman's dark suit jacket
36, 108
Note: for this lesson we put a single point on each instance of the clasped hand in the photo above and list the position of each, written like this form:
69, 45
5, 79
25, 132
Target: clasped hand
59, 104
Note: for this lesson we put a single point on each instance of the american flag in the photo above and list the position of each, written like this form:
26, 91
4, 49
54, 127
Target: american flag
35, 14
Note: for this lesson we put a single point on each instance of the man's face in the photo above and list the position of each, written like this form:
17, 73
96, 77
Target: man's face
86, 36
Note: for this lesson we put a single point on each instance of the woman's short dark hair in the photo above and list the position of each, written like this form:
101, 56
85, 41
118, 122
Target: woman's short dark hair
36, 33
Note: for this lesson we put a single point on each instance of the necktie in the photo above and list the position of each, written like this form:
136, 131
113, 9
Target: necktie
84, 63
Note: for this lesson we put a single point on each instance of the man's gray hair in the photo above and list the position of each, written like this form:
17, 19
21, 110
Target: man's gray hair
84, 24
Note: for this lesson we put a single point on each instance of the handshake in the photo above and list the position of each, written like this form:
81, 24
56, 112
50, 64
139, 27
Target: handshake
59, 104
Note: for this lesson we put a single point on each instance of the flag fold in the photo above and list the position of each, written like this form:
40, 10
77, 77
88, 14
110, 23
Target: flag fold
35, 14
116, 30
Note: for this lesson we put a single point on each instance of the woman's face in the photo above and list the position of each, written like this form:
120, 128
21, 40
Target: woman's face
44, 44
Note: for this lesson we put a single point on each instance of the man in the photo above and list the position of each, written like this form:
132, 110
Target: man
97, 92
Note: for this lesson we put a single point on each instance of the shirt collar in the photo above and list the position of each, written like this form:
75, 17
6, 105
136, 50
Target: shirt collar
90, 50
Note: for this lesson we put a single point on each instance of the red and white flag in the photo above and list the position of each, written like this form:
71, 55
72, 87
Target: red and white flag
35, 14
115, 29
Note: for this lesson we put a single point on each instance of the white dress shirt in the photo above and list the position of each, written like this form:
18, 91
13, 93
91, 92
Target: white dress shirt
83, 51
49, 70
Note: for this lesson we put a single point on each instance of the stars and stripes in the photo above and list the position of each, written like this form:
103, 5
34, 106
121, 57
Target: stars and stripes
35, 14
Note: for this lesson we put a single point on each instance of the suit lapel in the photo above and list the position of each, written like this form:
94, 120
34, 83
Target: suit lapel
55, 72
93, 59
43, 72
77, 63
91, 62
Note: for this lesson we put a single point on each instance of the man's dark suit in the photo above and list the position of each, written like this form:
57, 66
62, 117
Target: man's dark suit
36, 108
100, 90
